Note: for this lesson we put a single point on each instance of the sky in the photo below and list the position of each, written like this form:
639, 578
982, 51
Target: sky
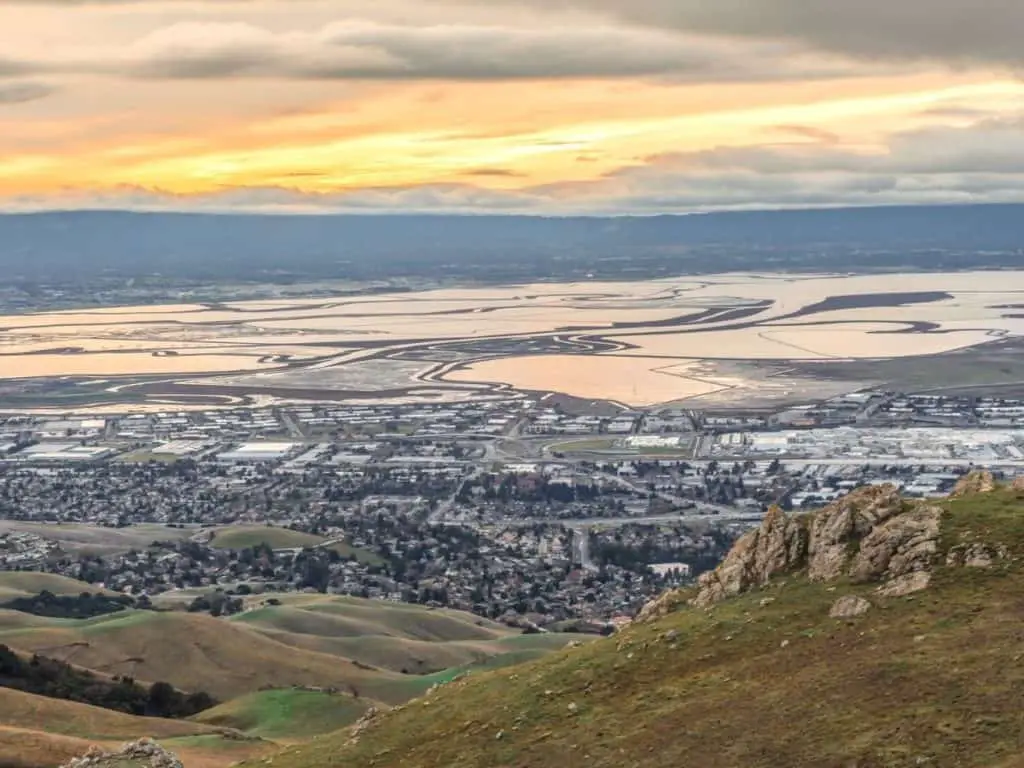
509, 106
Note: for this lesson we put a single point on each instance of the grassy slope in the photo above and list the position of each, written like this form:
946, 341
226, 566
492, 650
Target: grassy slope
192, 652
392, 636
82, 537
934, 680
310, 640
286, 715
38, 731
15, 584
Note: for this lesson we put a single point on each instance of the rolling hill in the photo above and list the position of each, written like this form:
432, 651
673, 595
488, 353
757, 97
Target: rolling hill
392, 636
879, 632
83, 538
39, 731
192, 652
14, 584
355, 645
306, 666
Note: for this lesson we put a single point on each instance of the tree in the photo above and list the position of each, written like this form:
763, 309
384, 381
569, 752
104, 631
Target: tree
161, 699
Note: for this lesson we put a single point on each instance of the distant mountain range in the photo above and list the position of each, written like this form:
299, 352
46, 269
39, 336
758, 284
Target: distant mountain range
87, 245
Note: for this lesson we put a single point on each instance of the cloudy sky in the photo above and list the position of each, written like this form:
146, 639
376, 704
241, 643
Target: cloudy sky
550, 106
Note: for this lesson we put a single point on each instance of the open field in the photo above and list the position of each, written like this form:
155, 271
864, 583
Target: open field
638, 343
244, 536
929, 679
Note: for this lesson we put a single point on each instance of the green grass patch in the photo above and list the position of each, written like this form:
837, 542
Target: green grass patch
364, 556
286, 714
580, 446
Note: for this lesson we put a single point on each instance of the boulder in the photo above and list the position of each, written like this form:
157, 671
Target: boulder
905, 585
144, 752
976, 555
849, 607
662, 605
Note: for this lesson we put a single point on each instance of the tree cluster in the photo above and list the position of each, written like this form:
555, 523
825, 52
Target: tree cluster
56, 679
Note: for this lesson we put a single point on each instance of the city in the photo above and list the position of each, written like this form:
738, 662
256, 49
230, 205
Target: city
516, 509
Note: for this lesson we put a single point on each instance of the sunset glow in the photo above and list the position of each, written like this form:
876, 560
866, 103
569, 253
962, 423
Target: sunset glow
505, 106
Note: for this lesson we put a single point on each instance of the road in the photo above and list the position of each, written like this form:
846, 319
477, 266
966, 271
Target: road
293, 427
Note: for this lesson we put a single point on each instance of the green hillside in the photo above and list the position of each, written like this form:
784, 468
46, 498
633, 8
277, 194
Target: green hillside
767, 677
286, 714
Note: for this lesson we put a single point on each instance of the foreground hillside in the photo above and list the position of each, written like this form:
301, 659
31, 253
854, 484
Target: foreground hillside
40, 731
904, 649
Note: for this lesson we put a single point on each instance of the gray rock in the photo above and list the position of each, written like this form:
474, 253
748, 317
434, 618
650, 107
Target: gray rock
849, 607
905, 585
899, 546
836, 526
976, 555
974, 483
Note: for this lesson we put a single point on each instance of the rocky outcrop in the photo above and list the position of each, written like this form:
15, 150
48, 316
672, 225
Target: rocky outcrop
870, 535
779, 545
973, 484
849, 607
144, 751
663, 605
899, 546
837, 528
360, 726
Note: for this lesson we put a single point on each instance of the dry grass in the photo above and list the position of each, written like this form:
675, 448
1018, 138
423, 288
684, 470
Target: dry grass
932, 680
40, 732
95, 539
68, 718
191, 651
15, 584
